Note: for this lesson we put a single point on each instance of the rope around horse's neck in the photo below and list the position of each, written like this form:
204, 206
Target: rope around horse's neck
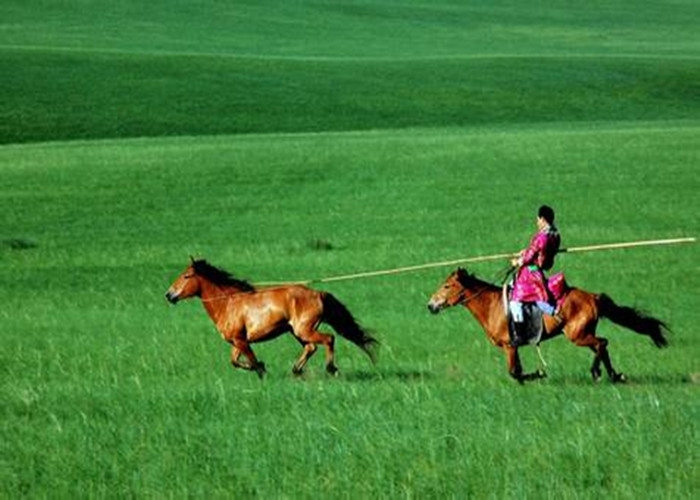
231, 294
214, 299
221, 296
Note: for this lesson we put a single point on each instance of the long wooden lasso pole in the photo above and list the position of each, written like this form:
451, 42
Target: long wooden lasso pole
469, 260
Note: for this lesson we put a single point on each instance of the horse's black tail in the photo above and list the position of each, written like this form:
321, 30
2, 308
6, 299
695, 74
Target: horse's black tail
341, 319
635, 320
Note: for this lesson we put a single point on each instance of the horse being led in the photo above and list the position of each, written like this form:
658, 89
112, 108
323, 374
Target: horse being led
580, 313
244, 315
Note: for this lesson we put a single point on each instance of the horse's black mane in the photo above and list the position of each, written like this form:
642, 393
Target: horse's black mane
467, 279
219, 276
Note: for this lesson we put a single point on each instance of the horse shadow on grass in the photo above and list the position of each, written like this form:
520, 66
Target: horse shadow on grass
559, 380
669, 379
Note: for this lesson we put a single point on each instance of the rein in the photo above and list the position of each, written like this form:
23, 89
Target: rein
503, 275
471, 297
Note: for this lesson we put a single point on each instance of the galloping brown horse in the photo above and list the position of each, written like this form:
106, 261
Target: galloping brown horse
244, 315
579, 313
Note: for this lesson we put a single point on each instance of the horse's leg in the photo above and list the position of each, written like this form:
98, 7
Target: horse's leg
515, 368
582, 338
241, 346
595, 367
604, 356
235, 356
330, 355
599, 346
581, 331
309, 350
582, 321
235, 361
313, 336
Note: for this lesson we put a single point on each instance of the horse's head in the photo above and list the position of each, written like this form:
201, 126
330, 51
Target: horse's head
185, 286
452, 292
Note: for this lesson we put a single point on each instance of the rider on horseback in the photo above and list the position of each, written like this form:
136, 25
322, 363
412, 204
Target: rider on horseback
530, 283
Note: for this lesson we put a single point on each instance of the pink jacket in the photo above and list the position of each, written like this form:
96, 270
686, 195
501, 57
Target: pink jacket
530, 282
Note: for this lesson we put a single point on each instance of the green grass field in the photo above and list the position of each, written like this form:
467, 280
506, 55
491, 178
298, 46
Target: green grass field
299, 140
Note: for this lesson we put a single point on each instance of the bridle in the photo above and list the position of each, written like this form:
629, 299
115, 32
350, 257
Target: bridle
507, 272
464, 299
211, 299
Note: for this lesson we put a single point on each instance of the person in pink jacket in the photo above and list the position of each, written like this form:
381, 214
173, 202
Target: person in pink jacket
530, 282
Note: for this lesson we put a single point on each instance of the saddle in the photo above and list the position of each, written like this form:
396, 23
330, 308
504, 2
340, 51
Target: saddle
532, 328
530, 331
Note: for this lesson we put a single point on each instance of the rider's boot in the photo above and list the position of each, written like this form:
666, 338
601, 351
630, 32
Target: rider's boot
517, 337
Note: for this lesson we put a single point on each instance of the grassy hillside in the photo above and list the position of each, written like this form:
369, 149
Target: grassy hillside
100, 69
356, 28
69, 95
299, 140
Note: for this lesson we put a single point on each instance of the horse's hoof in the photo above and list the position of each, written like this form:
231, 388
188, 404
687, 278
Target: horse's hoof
332, 370
619, 378
541, 374
260, 370
297, 371
517, 377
